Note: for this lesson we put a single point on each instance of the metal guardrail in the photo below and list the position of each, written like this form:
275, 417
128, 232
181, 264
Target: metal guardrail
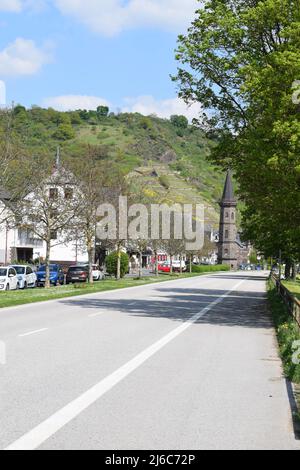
292, 303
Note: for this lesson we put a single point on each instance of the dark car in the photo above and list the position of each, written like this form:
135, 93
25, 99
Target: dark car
77, 274
56, 275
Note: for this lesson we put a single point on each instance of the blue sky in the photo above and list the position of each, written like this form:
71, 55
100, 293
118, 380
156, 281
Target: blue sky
70, 54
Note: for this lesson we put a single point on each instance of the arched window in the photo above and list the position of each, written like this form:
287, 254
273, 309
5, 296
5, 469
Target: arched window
232, 216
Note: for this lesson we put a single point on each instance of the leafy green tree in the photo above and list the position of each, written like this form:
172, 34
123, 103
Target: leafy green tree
111, 263
240, 59
64, 132
179, 121
102, 111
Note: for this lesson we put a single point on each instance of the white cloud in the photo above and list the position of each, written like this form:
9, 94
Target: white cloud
23, 57
110, 17
73, 102
14, 6
17, 6
147, 105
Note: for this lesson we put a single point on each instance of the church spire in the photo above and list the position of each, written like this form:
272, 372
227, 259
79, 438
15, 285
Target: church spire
228, 193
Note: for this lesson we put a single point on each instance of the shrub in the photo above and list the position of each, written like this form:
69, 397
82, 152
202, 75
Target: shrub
111, 263
164, 181
287, 332
210, 268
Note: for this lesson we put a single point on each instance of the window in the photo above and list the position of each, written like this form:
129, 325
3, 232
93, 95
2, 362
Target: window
53, 235
226, 234
68, 193
226, 215
53, 193
232, 216
226, 252
28, 270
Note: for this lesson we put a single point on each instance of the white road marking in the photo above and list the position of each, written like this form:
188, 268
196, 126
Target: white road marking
41, 433
92, 315
33, 332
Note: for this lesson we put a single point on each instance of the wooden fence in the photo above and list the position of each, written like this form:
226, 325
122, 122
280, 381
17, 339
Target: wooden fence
293, 304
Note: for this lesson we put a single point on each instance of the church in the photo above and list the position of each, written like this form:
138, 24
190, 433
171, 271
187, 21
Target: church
231, 250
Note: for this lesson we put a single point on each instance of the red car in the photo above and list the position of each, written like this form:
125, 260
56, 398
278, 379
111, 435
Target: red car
165, 267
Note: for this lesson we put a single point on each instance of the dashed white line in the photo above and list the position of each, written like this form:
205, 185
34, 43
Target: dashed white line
41, 433
92, 315
33, 332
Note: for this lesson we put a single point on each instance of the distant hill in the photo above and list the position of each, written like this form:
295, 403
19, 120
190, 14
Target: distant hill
168, 156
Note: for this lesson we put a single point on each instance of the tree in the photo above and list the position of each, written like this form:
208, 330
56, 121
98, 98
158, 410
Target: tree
179, 121
51, 207
117, 264
93, 177
239, 60
102, 111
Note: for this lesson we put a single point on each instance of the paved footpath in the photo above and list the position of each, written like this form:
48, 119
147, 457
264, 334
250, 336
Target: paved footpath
186, 364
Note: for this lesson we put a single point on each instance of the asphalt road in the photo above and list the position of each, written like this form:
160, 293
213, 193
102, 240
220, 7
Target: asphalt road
186, 364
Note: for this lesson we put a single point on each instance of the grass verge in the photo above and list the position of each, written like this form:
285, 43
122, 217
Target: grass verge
287, 333
293, 287
14, 298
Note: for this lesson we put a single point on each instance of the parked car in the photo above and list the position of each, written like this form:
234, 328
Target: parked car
98, 275
56, 275
26, 276
8, 279
176, 266
166, 267
77, 274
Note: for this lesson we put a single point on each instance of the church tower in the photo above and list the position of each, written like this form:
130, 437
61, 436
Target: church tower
228, 248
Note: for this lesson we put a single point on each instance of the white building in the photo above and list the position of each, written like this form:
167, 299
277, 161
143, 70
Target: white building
18, 244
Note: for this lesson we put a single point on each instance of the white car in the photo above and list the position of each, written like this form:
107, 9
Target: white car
8, 279
97, 273
26, 276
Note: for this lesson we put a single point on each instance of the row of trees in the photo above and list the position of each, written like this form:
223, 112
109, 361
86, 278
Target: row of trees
240, 59
58, 201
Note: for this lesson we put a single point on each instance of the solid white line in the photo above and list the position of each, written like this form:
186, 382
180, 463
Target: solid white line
33, 332
41, 433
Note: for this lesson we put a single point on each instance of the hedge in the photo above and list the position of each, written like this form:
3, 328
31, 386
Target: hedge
210, 268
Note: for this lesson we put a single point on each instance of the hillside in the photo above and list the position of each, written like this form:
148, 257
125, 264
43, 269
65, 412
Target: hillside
168, 156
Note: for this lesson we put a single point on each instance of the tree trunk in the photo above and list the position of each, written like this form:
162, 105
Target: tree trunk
47, 264
156, 263
91, 262
140, 264
171, 264
118, 262
294, 271
180, 258
288, 266
191, 267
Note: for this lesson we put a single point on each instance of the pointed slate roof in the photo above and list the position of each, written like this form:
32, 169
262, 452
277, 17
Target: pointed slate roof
228, 193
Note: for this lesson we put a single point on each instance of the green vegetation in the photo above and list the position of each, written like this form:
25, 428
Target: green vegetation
14, 298
111, 263
205, 269
287, 332
240, 60
293, 287
132, 142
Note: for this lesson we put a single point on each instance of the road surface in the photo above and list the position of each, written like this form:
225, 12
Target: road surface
186, 364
